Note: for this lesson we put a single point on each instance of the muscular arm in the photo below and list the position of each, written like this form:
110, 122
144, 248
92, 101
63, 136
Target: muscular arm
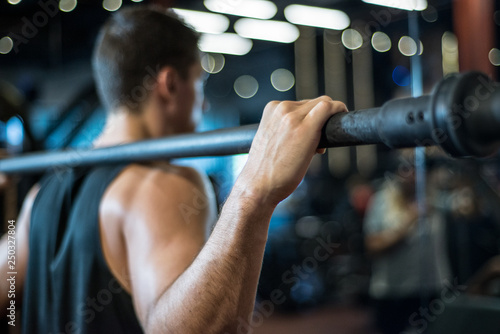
21, 256
193, 291
180, 285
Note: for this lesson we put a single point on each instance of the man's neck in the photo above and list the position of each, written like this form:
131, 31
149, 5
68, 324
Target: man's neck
122, 127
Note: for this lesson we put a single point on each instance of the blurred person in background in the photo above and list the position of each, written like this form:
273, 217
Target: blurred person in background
408, 261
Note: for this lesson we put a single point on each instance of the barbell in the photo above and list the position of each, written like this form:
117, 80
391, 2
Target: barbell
462, 115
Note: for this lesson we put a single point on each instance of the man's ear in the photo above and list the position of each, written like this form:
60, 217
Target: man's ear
167, 80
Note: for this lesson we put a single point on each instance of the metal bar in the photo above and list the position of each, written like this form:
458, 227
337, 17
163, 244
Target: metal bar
436, 119
213, 143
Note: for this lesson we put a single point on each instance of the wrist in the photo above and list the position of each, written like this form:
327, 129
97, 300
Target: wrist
253, 196
245, 216
256, 184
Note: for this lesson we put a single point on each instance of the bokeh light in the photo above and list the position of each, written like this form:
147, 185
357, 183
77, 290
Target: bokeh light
401, 76
112, 5
494, 56
449, 42
13, 2
381, 42
407, 46
430, 14
246, 86
67, 5
449, 50
6, 45
213, 62
14, 131
352, 39
308, 227
282, 80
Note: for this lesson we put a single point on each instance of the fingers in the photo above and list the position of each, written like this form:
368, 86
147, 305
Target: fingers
281, 108
274, 104
323, 110
306, 107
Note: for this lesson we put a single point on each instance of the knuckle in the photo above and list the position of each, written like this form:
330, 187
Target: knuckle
341, 105
286, 106
325, 98
289, 119
272, 104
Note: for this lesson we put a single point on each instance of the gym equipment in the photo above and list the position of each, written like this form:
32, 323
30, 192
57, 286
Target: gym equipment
462, 115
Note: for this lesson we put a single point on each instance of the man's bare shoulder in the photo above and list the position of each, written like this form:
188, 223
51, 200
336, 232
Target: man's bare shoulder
162, 186
161, 174
146, 205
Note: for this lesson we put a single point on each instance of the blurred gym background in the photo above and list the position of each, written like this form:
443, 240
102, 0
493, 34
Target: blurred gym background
318, 275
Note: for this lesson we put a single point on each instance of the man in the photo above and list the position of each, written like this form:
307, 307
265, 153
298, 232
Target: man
115, 252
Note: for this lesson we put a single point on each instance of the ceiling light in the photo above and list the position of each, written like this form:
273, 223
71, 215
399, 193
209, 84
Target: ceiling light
258, 9
401, 4
204, 22
275, 31
317, 17
225, 43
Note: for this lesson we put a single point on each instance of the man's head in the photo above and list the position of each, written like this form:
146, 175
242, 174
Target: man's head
134, 48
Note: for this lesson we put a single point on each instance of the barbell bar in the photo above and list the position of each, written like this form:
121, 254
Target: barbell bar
462, 115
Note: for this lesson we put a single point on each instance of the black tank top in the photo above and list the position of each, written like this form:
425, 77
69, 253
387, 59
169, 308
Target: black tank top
69, 287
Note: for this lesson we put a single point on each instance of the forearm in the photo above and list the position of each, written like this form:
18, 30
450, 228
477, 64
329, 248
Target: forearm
220, 285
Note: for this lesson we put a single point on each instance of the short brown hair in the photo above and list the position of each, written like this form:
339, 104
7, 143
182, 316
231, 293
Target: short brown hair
132, 46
